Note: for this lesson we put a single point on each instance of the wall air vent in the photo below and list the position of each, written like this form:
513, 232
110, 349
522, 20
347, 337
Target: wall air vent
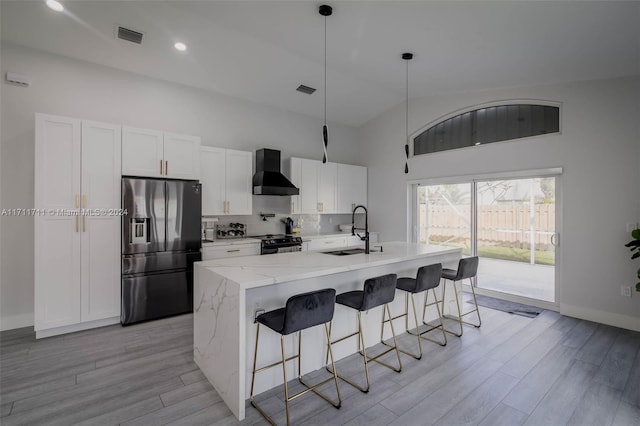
129, 35
305, 89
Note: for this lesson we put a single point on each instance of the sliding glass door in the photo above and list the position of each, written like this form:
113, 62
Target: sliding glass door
509, 223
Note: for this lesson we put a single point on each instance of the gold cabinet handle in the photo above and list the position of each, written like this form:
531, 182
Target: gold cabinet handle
293, 208
84, 223
77, 219
161, 168
77, 201
84, 201
166, 167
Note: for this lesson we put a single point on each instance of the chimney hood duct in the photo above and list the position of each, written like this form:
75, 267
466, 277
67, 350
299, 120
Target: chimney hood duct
268, 180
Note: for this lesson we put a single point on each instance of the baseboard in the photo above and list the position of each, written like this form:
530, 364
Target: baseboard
16, 321
76, 327
602, 317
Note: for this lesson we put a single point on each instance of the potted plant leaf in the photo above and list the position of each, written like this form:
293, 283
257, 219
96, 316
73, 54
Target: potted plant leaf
634, 246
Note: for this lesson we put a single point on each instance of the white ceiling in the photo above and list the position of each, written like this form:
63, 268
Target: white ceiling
262, 50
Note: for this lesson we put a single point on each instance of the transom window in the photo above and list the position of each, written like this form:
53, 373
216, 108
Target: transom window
487, 125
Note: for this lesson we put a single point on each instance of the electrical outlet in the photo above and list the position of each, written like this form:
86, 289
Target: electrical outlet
625, 291
258, 311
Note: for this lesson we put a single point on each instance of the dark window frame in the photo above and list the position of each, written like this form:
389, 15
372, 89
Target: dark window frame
489, 123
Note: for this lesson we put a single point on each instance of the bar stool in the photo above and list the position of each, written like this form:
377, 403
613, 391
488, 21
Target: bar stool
428, 278
467, 269
302, 311
377, 291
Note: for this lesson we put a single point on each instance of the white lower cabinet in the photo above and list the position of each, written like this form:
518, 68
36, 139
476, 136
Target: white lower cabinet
319, 244
222, 250
77, 228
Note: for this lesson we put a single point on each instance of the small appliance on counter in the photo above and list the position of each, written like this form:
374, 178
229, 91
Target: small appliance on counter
288, 225
232, 230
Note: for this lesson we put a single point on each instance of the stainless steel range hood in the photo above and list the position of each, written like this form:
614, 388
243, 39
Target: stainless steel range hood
268, 180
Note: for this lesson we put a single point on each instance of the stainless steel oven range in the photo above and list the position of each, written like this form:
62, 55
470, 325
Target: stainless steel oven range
280, 243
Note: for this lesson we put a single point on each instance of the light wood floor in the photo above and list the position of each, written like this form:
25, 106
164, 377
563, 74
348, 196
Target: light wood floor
549, 370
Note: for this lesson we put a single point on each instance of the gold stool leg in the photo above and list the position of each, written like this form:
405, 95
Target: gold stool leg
475, 302
459, 316
387, 310
284, 375
444, 333
255, 358
333, 364
422, 334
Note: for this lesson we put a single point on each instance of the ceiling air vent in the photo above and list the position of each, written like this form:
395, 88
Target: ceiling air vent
129, 35
305, 89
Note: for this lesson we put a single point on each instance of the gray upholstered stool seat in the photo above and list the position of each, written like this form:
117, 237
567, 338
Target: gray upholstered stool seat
377, 291
302, 311
427, 278
467, 269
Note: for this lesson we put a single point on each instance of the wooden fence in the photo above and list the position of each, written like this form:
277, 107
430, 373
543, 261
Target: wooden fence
505, 225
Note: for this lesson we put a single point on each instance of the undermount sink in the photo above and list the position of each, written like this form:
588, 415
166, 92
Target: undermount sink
346, 252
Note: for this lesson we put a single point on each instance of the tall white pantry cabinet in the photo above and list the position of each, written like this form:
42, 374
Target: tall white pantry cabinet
77, 257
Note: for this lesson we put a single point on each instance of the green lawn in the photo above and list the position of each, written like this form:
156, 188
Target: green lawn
514, 254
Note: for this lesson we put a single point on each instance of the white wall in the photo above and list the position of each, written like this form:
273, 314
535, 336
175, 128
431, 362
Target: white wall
598, 150
68, 87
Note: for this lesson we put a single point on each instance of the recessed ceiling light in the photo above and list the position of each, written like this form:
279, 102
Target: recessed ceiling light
180, 46
57, 6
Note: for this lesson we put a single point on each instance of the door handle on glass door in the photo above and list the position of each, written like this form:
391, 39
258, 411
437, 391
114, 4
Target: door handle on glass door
554, 240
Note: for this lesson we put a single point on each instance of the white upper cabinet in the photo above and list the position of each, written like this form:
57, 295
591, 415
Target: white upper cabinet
352, 187
181, 156
226, 177
159, 154
142, 152
327, 188
239, 177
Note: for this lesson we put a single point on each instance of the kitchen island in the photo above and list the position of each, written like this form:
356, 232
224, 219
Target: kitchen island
229, 292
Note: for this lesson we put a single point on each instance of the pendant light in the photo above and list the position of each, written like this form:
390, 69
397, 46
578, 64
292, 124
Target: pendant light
407, 57
325, 11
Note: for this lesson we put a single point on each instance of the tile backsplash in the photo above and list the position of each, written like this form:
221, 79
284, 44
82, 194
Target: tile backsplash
309, 224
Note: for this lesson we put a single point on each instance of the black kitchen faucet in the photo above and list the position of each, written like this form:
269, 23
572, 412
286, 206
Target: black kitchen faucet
365, 229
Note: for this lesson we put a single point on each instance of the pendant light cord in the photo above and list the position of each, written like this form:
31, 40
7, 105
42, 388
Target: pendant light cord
325, 10
407, 57
325, 129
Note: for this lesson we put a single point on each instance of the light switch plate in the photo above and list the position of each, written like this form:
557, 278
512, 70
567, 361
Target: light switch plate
625, 291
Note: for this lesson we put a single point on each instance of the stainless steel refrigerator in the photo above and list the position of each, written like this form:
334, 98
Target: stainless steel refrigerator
161, 238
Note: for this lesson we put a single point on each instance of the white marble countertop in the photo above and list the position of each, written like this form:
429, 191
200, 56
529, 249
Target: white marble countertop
260, 271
